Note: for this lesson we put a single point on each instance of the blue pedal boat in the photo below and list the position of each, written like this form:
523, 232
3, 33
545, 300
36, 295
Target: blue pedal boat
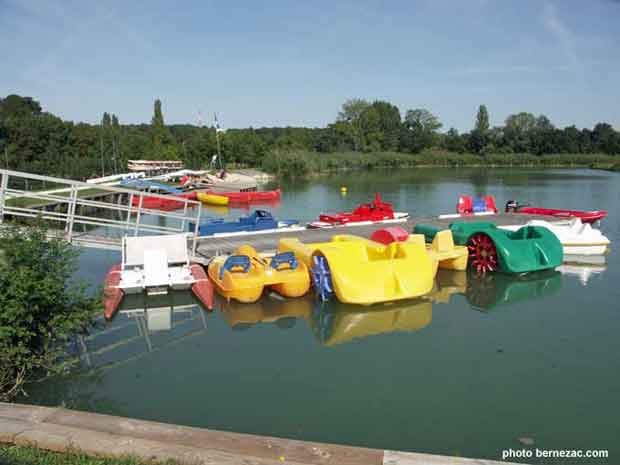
258, 220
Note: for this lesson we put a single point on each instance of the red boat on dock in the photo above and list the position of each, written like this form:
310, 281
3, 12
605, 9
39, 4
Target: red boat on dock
585, 216
377, 211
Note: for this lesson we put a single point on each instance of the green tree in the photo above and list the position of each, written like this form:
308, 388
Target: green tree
161, 138
479, 138
482, 119
419, 130
351, 113
518, 130
15, 106
389, 124
41, 307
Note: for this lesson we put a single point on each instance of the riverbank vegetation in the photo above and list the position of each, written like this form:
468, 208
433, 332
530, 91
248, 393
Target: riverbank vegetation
364, 135
41, 307
22, 455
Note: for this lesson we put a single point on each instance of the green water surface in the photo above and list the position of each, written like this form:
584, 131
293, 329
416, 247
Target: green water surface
464, 371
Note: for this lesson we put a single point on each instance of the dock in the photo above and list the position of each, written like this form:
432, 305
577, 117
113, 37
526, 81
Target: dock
211, 246
72, 431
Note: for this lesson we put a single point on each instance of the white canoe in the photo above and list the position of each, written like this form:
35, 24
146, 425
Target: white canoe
577, 238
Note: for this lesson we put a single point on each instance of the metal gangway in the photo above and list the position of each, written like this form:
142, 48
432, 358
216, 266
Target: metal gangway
91, 215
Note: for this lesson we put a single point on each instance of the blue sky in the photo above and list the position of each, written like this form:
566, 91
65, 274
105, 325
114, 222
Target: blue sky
276, 63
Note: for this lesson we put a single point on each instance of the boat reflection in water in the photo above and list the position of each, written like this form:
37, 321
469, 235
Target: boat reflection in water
585, 267
143, 325
487, 291
271, 308
338, 323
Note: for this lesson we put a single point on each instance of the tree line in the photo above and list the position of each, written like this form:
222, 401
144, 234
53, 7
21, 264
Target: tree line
37, 141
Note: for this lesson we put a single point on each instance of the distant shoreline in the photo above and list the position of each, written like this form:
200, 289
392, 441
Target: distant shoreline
310, 164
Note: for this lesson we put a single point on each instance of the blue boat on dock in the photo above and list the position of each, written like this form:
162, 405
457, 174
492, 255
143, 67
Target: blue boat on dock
259, 220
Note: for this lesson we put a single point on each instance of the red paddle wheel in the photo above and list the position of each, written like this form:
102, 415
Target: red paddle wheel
482, 253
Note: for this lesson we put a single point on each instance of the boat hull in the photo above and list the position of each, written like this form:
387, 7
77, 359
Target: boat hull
112, 294
399, 217
212, 199
576, 238
203, 287
252, 196
584, 216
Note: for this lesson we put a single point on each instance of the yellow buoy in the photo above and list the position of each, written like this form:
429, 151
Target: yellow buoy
343, 189
212, 199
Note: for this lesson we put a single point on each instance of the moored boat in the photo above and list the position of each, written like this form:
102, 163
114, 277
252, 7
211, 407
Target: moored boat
249, 197
530, 248
576, 237
585, 216
376, 211
257, 221
212, 199
469, 206
159, 203
155, 265
244, 275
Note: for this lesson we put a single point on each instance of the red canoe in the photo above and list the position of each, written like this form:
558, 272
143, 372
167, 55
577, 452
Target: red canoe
247, 197
158, 203
585, 217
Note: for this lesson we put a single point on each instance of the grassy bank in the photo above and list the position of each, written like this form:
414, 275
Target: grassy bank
299, 163
18, 455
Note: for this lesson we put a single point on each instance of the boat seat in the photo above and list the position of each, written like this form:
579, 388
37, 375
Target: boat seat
156, 268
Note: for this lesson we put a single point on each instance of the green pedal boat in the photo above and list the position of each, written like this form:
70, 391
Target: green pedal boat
530, 248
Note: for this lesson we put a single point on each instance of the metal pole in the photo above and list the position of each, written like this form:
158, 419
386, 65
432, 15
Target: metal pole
3, 186
71, 213
129, 210
135, 232
196, 230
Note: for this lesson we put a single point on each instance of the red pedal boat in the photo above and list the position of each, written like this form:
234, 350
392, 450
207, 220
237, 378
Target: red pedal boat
377, 211
585, 216
248, 197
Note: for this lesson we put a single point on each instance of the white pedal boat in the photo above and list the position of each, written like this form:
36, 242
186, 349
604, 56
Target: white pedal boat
577, 238
155, 265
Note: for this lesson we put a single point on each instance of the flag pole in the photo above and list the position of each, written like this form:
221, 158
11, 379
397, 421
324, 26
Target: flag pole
217, 140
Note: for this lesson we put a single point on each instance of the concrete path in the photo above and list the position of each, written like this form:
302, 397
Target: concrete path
59, 430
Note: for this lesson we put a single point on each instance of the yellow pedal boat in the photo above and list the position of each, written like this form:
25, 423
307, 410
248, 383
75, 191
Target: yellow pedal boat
243, 275
212, 199
360, 271
442, 250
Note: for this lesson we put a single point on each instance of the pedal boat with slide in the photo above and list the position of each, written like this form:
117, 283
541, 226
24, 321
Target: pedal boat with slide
155, 265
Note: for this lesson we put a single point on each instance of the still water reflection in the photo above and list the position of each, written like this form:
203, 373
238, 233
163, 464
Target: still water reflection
465, 370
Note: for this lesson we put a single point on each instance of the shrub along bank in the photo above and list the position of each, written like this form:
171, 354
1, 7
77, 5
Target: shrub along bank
41, 308
301, 164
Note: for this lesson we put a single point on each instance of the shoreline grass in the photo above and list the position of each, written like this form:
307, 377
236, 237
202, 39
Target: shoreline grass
301, 164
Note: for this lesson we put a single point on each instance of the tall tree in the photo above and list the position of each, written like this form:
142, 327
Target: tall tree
351, 113
420, 130
479, 138
482, 119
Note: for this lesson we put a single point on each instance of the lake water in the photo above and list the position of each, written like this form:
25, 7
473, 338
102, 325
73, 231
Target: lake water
468, 370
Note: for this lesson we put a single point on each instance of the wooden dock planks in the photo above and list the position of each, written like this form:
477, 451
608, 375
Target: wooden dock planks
212, 246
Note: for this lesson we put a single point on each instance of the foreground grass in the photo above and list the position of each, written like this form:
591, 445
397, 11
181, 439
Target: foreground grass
18, 455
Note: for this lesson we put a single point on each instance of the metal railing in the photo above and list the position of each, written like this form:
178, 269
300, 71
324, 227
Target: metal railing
70, 209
